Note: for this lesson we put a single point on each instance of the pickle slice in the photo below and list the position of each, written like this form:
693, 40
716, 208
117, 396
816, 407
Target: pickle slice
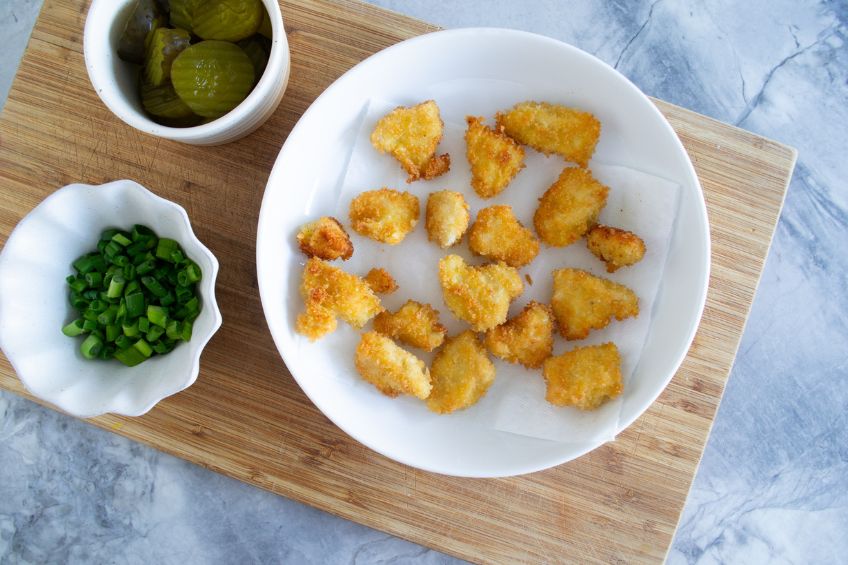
164, 46
163, 102
255, 49
212, 77
182, 13
265, 27
145, 17
227, 20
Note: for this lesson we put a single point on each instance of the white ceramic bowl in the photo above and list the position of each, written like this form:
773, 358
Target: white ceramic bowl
473, 69
116, 82
34, 301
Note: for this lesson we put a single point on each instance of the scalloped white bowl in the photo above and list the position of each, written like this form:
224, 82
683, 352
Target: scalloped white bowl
34, 303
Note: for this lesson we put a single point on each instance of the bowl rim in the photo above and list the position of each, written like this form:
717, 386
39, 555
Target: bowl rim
102, 78
699, 302
209, 301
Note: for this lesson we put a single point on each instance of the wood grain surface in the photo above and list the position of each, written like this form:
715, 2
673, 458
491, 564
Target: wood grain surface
245, 416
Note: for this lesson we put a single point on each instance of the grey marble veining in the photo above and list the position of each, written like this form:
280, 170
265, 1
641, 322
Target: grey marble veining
773, 484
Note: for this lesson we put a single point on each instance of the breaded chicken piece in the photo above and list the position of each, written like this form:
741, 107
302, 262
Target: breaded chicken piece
497, 234
384, 215
447, 217
495, 158
390, 368
569, 207
615, 247
527, 339
328, 292
478, 295
325, 238
585, 377
381, 281
411, 136
551, 128
583, 302
461, 373
414, 324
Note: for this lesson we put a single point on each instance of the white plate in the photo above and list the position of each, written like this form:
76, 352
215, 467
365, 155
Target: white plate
313, 162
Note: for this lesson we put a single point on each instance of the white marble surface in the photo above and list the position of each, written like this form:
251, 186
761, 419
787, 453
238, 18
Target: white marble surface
773, 484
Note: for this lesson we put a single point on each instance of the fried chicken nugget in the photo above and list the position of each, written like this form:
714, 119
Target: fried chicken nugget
328, 292
528, 338
497, 234
390, 368
414, 324
325, 238
552, 128
461, 373
583, 302
615, 247
585, 377
495, 158
447, 217
411, 136
569, 207
384, 215
478, 295
381, 281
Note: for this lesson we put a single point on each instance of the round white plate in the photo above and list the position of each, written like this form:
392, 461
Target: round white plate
312, 164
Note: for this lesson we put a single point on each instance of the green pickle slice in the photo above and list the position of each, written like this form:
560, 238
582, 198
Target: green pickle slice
145, 17
255, 49
212, 77
164, 46
163, 102
227, 20
265, 27
182, 13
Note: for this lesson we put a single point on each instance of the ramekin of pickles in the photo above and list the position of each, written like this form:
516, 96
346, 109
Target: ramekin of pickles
199, 71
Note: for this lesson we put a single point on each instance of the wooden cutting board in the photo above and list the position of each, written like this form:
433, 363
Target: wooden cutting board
246, 417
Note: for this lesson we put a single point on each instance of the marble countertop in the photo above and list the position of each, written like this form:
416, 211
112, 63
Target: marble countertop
773, 483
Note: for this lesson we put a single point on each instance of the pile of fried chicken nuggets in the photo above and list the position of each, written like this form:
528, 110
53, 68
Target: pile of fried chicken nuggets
461, 371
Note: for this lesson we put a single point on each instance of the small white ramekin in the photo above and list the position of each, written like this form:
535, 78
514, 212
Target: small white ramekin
34, 301
116, 82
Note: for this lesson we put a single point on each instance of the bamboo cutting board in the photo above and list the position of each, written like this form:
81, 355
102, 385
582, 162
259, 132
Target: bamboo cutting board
245, 416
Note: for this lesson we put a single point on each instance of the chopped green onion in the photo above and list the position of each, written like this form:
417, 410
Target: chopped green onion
157, 315
165, 248
154, 333
130, 330
91, 346
121, 239
122, 293
116, 287
75, 328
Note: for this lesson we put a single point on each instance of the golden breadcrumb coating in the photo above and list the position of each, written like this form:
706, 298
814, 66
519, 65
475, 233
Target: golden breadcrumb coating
583, 302
551, 128
328, 292
414, 324
447, 217
615, 247
390, 368
569, 207
495, 158
325, 238
479, 296
384, 215
461, 373
527, 339
411, 136
585, 377
381, 281
497, 234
